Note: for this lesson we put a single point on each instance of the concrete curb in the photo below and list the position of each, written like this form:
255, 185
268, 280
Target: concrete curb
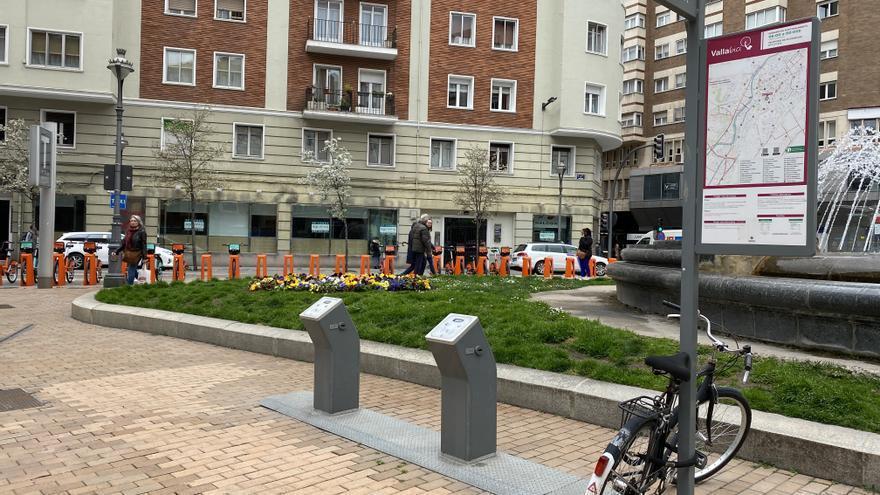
832, 452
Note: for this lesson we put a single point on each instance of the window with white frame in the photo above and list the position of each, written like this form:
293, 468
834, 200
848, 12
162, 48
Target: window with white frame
374, 24
827, 132
229, 10
594, 99
678, 114
503, 95
766, 16
500, 157
664, 18
173, 130
380, 150
826, 9
680, 80
869, 126
631, 53
661, 51
180, 66
462, 29
2, 123
248, 141
460, 92
562, 156
597, 38
4, 57
714, 29
633, 21
672, 150
661, 84
631, 119
228, 71
55, 50
181, 7
66, 122
442, 154
631, 86
505, 32
313, 143
661, 118
828, 49
828, 90
681, 46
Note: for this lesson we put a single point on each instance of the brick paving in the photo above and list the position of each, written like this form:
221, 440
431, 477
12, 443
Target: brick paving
127, 412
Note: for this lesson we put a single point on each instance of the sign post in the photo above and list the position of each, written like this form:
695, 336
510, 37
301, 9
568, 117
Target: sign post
42, 174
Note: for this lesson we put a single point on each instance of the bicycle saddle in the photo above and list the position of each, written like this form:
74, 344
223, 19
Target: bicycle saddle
676, 365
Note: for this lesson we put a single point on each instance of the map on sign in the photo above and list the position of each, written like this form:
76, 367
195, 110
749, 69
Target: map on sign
756, 118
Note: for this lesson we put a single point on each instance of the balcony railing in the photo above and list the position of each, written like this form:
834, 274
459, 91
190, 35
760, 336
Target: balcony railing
361, 102
352, 33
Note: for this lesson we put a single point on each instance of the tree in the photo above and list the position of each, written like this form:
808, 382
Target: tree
14, 163
477, 191
332, 182
186, 159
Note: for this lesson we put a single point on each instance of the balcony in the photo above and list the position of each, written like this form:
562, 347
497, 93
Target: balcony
349, 106
351, 39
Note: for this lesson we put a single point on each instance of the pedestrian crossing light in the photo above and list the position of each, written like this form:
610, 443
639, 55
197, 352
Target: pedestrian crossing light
658, 147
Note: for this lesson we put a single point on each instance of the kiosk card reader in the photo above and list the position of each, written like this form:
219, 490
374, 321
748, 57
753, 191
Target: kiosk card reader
337, 355
468, 420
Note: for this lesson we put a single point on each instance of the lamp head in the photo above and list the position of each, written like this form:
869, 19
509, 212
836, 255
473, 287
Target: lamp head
548, 102
119, 65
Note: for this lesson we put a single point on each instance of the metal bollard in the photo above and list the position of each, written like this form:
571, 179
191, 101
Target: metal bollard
526, 266
548, 267
207, 272
262, 266
340, 264
365, 264
288, 265
569, 267
315, 265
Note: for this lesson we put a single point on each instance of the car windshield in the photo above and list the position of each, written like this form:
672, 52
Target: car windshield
521, 247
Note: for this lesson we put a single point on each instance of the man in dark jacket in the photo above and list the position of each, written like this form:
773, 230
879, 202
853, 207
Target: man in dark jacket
419, 245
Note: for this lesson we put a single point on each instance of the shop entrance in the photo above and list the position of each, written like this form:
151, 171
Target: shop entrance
5, 224
461, 232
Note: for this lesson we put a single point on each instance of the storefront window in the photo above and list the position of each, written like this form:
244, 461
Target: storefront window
264, 221
545, 228
175, 218
383, 226
70, 213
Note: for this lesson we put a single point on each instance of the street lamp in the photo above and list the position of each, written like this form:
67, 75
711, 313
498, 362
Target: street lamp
560, 170
120, 67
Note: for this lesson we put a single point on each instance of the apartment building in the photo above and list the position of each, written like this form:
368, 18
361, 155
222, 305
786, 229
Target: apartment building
409, 86
655, 77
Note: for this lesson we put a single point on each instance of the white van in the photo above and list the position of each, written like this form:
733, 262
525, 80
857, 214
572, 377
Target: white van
649, 238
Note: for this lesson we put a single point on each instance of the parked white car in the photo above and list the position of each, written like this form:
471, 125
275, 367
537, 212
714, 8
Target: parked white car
74, 241
538, 251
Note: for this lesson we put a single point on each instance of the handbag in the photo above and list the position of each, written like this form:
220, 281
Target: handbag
581, 255
131, 257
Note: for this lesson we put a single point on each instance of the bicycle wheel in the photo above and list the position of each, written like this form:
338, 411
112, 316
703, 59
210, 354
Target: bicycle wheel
629, 476
71, 267
731, 420
12, 273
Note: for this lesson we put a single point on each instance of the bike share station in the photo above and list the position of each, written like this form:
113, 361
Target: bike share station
465, 447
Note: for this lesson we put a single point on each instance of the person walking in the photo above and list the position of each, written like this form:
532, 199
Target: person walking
585, 252
375, 252
419, 245
134, 247
429, 252
409, 250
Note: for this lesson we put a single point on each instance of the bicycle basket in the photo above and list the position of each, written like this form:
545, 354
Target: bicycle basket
644, 407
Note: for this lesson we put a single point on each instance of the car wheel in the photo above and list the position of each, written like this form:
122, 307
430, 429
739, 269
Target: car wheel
600, 269
159, 265
77, 260
539, 267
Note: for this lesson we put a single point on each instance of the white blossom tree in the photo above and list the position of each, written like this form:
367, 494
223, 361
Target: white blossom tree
478, 192
14, 155
186, 159
331, 182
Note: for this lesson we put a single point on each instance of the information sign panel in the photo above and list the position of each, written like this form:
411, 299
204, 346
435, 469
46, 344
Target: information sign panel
320, 308
758, 181
452, 328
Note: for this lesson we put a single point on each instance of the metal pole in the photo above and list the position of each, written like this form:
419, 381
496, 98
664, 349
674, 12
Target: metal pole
559, 215
689, 262
114, 278
45, 269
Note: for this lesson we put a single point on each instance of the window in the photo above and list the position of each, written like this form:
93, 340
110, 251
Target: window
328, 21
181, 7
180, 66
248, 141
371, 91
764, 17
672, 150
826, 9
631, 119
229, 10
505, 33
3, 123
869, 125
503, 95
562, 155
678, 114
597, 38
66, 126
681, 46
661, 84
664, 18
828, 91
55, 50
374, 24
380, 150
635, 52
827, 132
661, 118
228, 71
594, 99
661, 186
713, 30
461, 29
634, 21
4, 46
661, 51
442, 154
631, 86
171, 129
500, 157
314, 141
680, 80
460, 93
828, 49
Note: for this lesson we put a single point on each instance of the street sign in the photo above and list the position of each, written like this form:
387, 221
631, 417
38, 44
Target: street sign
580, 176
122, 201
42, 156
110, 178
757, 186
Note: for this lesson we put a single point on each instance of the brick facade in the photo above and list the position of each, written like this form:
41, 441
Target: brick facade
482, 62
205, 35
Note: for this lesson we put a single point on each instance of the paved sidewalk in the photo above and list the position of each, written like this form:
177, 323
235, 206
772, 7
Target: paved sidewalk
127, 412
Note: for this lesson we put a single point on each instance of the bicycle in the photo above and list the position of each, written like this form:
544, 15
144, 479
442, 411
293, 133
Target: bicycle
9, 266
70, 266
642, 458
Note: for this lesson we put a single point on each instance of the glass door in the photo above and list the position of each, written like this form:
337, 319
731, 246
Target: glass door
328, 84
371, 92
373, 24
328, 21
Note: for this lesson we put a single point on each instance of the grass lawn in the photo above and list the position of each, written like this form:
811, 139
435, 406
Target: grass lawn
527, 333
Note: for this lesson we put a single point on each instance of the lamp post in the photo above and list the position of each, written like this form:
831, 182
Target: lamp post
560, 170
120, 67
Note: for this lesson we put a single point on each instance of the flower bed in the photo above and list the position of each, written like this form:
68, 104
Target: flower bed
346, 282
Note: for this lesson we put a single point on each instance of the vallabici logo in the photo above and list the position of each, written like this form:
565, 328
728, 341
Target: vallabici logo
745, 42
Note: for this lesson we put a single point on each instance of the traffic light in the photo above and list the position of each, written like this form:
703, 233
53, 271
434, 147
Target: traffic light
658, 229
658, 147
603, 222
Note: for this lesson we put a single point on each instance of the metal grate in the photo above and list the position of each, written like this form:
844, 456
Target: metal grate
6, 306
16, 398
